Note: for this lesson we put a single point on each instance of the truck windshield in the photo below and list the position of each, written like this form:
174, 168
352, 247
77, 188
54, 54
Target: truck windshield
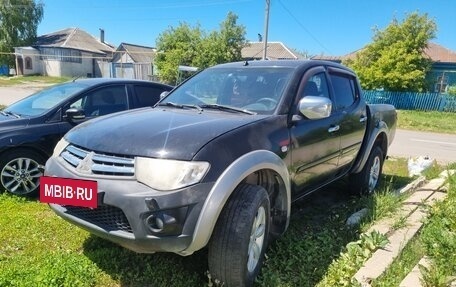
252, 89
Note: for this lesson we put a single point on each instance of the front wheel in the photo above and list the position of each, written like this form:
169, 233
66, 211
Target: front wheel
368, 179
239, 240
20, 171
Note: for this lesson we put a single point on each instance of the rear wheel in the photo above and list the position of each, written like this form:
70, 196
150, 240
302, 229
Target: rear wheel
239, 240
368, 179
20, 171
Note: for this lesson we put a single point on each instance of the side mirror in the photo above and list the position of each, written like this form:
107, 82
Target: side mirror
75, 114
315, 107
164, 94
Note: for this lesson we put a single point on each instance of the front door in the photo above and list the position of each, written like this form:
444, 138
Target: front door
315, 142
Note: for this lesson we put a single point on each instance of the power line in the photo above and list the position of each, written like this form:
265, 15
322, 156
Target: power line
303, 27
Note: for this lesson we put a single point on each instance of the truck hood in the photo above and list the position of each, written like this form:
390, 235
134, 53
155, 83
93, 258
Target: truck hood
156, 132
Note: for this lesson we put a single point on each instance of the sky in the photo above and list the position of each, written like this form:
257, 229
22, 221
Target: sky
317, 27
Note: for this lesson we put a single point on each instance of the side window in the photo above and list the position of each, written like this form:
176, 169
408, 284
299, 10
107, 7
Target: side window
148, 96
316, 86
103, 101
344, 90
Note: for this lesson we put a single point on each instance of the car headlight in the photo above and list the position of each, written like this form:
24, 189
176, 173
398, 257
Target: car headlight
164, 174
61, 145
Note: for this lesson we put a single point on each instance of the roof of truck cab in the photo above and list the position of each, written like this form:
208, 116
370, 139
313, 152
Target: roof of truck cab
281, 63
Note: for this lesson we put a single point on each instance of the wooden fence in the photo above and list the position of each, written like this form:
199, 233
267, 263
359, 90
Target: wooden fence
413, 101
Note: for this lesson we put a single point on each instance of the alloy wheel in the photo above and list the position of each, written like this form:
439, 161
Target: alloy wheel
21, 175
257, 236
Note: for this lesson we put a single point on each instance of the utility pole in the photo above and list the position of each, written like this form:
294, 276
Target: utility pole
266, 23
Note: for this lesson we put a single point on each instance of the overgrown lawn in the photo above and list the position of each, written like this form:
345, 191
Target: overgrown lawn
21, 80
428, 121
41, 249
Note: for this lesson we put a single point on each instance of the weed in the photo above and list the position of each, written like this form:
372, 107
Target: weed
342, 270
399, 223
433, 276
436, 240
403, 264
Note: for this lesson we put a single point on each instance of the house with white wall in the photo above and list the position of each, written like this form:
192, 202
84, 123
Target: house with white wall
70, 52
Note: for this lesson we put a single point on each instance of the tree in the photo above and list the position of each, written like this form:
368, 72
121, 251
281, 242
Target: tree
452, 90
177, 46
222, 46
19, 21
395, 60
186, 45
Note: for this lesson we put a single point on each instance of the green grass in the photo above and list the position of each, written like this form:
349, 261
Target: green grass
436, 240
431, 121
403, 264
19, 80
41, 249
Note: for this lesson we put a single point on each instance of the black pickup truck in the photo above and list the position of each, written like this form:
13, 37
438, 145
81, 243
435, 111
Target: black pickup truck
219, 161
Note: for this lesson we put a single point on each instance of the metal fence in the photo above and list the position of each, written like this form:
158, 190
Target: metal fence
140, 71
413, 101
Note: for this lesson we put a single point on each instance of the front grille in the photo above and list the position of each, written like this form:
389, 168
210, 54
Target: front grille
97, 163
107, 217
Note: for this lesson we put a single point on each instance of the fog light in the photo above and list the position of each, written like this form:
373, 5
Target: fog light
155, 223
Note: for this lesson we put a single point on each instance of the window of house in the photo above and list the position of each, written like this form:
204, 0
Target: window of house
61, 54
441, 85
28, 63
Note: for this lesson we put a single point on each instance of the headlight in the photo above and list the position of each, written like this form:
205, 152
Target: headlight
163, 174
61, 145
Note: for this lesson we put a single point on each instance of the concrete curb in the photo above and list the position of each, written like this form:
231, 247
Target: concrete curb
414, 213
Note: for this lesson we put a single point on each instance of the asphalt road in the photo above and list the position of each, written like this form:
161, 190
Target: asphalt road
9, 95
441, 147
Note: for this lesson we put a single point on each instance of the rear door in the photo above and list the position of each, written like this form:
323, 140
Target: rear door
147, 95
351, 110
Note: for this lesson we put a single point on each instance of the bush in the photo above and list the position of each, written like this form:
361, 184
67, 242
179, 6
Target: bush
452, 90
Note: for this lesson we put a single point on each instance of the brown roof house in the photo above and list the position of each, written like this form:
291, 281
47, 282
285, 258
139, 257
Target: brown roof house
133, 62
70, 52
274, 51
443, 70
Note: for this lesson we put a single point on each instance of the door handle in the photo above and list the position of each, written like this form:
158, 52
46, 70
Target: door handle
362, 119
333, 129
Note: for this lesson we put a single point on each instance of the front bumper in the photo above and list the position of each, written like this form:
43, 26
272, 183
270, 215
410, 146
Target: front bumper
134, 215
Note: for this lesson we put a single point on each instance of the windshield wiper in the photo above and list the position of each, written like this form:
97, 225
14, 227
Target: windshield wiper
227, 108
180, 106
8, 113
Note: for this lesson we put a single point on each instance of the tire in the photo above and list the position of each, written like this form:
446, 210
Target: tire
239, 240
368, 179
20, 171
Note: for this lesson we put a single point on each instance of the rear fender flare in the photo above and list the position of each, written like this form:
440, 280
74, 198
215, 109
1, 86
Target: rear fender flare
379, 129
